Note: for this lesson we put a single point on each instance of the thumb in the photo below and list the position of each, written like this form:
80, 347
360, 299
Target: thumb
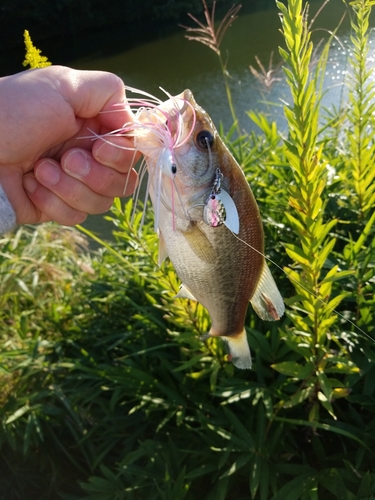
92, 92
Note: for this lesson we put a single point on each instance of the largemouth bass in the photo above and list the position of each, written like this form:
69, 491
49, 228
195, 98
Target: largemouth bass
207, 218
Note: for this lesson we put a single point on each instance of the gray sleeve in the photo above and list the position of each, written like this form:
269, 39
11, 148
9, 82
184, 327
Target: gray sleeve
7, 215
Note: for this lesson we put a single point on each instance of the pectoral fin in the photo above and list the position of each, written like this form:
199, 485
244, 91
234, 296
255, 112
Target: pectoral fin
200, 244
163, 253
184, 293
266, 300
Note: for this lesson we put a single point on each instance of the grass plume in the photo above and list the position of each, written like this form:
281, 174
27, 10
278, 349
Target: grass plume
212, 37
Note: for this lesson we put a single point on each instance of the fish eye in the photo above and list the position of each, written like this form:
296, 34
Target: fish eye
174, 168
204, 139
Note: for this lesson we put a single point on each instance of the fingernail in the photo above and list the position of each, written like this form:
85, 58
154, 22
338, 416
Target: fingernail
29, 184
107, 153
48, 173
119, 105
76, 164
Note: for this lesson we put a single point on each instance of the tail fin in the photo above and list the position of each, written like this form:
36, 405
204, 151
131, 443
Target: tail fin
239, 351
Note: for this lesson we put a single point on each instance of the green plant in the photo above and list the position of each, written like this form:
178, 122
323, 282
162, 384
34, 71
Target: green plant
104, 378
42, 271
358, 174
312, 335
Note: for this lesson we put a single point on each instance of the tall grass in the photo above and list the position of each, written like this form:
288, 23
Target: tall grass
210, 35
107, 393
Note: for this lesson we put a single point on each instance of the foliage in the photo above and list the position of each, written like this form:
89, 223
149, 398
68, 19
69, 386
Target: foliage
105, 380
33, 57
41, 274
315, 277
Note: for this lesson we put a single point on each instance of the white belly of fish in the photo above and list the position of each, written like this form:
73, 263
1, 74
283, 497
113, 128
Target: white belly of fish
213, 266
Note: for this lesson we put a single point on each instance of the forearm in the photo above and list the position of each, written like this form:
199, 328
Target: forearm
7, 215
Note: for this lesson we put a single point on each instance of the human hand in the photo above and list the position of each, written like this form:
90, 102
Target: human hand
45, 170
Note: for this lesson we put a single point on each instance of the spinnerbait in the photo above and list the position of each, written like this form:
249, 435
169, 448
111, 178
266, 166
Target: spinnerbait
214, 213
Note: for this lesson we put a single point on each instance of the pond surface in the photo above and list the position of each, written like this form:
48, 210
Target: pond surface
175, 63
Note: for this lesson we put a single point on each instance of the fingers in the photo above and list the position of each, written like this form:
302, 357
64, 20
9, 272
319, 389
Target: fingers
72, 191
101, 179
108, 170
46, 206
116, 152
80, 185
67, 183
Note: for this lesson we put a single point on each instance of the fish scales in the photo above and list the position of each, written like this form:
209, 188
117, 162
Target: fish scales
221, 281
208, 221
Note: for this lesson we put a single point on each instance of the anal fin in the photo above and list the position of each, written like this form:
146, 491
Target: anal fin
266, 300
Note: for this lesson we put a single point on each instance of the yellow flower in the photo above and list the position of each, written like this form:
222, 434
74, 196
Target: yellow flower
33, 56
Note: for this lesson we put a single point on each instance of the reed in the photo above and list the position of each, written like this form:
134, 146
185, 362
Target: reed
212, 37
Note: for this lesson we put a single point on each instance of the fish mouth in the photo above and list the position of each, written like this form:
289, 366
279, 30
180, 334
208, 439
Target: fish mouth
178, 104
173, 120
178, 112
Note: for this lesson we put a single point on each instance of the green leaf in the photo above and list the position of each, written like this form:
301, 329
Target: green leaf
17, 414
202, 470
324, 253
294, 369
297, 254
326, 404
293, 490
365, 488
241, 431
255, 474
240, 462
299, 396
326, 427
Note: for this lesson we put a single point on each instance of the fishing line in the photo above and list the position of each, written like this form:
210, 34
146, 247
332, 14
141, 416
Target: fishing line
159, 186
147, 194
180, 199
127, 177
141, 175
302, 286
173, 212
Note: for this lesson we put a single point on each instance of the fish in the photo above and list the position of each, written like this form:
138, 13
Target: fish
207, 219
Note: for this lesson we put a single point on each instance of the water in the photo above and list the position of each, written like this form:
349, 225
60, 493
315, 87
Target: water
174, 63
